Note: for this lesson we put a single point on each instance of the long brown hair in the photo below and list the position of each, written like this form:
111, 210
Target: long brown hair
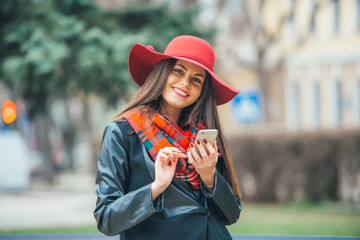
203, 109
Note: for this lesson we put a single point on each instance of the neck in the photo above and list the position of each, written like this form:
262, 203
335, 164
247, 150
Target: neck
173, 115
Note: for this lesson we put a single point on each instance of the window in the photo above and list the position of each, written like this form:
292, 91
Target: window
316, 104
290, 20
337, 104
336, 15
358, 15
313, 16
294, 105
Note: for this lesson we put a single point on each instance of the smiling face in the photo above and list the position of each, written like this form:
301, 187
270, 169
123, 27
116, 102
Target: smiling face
183, 86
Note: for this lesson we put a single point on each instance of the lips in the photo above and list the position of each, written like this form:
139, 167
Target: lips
180, 92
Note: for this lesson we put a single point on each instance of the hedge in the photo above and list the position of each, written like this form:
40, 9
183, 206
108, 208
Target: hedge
284, 167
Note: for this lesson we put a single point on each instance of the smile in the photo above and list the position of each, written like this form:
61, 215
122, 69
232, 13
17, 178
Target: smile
180, 92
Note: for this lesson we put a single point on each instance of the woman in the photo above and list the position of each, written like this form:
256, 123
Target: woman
152, 183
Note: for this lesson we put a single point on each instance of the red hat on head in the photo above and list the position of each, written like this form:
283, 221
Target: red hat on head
143, 59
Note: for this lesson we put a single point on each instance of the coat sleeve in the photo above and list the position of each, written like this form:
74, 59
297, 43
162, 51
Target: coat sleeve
224, 200
117, 210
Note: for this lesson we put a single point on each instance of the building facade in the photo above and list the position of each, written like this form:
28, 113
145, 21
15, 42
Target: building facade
310, 56
322, 77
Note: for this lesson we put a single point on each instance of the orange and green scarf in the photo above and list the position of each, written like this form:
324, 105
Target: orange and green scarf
163, 133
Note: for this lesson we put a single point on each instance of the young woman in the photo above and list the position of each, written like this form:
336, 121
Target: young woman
152, 182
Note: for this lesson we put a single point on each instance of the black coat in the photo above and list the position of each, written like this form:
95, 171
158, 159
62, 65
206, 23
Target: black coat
124, 204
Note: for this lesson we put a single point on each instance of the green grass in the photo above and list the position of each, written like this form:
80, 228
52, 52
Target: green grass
297, 218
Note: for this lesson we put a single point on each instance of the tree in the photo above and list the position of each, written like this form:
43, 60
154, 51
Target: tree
58, 49
254, 44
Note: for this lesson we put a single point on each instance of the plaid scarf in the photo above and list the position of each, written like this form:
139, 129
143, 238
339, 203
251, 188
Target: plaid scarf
163, 133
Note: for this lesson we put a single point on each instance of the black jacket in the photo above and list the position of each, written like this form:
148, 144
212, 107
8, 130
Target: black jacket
124, 205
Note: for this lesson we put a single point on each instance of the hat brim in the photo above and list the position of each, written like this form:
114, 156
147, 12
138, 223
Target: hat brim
142, 60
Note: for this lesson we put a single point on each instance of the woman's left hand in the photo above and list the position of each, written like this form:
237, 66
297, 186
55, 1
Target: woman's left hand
204, 160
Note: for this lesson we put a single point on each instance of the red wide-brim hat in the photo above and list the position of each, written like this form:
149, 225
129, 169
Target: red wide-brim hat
142, 59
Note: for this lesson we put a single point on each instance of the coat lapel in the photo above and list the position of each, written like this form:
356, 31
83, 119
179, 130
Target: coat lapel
148, 161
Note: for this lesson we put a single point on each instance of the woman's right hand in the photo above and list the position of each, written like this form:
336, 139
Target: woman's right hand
165, 165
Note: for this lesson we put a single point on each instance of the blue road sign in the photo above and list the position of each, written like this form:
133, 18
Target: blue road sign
246, 107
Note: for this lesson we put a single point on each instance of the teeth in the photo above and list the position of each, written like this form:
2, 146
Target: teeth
180, 92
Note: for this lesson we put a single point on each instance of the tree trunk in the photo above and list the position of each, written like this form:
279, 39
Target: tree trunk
43, 126
263, 83
263, 79
69, 135
89, 131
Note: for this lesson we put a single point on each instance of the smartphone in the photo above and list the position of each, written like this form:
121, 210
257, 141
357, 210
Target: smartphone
208, 134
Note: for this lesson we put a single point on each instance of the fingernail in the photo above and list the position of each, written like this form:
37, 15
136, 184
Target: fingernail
205, 141
188, 150
191, 145
198, 141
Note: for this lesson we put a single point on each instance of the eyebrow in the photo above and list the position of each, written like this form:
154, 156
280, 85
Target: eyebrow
196, 74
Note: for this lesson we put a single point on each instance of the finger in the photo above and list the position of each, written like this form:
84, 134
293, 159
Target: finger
195, 155
211, 151
172, 149
175, 152
161, 159
174, 163
167, 151
209, 148
162, 156
173, 155
170, 158
191, 159
202, 150
180, 154
216, 146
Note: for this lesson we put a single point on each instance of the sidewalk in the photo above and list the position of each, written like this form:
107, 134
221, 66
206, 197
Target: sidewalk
70, 202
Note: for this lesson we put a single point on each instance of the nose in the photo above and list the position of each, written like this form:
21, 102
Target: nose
185, 80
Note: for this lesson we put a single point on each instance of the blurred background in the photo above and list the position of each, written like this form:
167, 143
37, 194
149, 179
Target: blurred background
293, 130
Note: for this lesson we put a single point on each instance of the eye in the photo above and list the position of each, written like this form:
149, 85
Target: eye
197, 80
179, 71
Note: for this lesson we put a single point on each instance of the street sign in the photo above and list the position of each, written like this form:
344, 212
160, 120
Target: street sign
246, 107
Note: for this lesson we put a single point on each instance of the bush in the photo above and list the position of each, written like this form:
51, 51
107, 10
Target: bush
285, 167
